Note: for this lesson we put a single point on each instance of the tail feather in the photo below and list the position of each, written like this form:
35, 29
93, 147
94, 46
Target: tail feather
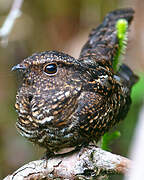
103, 42
128, 77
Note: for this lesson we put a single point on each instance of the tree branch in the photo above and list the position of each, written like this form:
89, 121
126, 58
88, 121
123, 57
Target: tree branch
8, 24
88, 162
137, 151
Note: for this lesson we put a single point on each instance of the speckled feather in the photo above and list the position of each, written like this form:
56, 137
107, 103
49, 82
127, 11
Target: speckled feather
83, 99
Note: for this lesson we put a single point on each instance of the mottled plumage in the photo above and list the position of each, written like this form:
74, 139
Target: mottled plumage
65, 102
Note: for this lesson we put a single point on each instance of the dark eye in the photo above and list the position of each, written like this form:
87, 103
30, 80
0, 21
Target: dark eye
50, 69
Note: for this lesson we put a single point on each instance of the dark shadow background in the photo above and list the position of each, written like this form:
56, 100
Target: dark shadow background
57, 25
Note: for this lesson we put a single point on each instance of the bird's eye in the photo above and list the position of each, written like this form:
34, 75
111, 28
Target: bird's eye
50, 68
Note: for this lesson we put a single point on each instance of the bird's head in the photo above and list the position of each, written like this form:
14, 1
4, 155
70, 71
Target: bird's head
49, 91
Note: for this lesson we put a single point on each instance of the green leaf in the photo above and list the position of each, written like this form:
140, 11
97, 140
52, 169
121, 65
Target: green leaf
137, 94
108, 138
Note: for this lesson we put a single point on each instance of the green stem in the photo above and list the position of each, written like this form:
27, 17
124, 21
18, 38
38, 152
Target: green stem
121, 28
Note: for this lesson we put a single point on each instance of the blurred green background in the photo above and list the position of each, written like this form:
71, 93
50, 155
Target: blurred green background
59, 25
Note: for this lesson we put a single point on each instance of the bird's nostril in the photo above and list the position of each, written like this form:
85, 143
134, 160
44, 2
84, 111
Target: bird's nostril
30, 97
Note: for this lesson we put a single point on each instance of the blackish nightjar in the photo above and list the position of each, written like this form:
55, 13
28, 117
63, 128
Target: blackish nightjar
63, 102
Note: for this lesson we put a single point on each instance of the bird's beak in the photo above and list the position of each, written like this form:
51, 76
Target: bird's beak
18, 67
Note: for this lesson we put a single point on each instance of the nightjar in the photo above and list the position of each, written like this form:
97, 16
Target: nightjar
63, 102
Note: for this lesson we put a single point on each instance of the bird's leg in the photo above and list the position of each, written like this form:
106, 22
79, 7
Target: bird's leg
48, 154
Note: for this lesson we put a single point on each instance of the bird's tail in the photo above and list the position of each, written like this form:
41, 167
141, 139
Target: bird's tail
127, 75
103, 42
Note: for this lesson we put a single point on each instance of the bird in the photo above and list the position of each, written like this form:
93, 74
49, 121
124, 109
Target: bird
63, 102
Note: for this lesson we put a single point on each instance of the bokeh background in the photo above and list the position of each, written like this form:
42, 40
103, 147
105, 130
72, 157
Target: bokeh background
59, 25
